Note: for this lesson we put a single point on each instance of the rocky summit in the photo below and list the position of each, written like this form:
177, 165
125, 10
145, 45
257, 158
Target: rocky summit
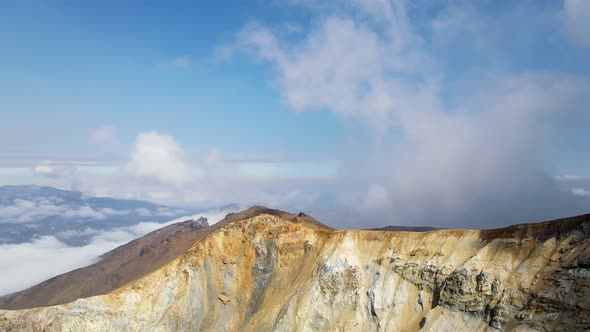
267, 270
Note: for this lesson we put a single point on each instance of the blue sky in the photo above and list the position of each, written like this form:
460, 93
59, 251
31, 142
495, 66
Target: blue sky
389, 106
74, 66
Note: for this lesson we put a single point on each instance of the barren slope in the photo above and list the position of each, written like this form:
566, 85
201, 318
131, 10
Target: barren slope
263, 270
116, 267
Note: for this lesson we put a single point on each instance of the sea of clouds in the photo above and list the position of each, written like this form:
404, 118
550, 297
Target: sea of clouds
27, 264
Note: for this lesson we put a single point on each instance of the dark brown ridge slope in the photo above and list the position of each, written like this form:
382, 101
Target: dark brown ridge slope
116, 267
131, 261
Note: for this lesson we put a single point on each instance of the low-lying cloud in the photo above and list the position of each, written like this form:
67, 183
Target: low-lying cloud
29, 211
27, 264
51, 169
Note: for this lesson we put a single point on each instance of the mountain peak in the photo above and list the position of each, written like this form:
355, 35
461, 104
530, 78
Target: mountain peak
195, 224
257, 210
31, 189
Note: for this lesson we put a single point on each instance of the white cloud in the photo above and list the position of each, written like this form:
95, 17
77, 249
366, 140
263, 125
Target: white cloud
448, 161
165, 212
84, 212
104, 136
314, 75
113, 212
70, 234
581, 192
29, 211
575, 184
576, 23
31, 263
51, 169
371, 60
143, 212
158, 157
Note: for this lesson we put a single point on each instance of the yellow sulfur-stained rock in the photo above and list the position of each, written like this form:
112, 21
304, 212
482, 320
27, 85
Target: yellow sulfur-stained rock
267, 273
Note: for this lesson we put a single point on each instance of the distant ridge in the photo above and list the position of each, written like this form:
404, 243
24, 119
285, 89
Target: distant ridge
405, 229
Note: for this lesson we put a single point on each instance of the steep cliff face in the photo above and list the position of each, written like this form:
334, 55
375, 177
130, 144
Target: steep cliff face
284, 273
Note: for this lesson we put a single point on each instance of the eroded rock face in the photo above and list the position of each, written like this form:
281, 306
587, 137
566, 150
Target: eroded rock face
268, 273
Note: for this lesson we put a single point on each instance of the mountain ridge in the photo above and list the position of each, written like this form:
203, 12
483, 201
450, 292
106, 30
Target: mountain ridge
528, 276
114, 269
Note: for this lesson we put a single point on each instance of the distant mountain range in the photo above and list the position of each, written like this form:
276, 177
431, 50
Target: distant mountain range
28, 212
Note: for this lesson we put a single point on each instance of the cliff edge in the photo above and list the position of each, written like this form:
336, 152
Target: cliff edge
267, 270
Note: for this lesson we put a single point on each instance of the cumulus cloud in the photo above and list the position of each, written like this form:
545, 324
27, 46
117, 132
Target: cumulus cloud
33, 262
314, 75
157, 156
576, 23
479, 161
51, 169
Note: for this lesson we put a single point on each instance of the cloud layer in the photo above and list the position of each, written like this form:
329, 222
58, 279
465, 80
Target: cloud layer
29, 211
33, 262
50, 169
479, 160
456, 114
